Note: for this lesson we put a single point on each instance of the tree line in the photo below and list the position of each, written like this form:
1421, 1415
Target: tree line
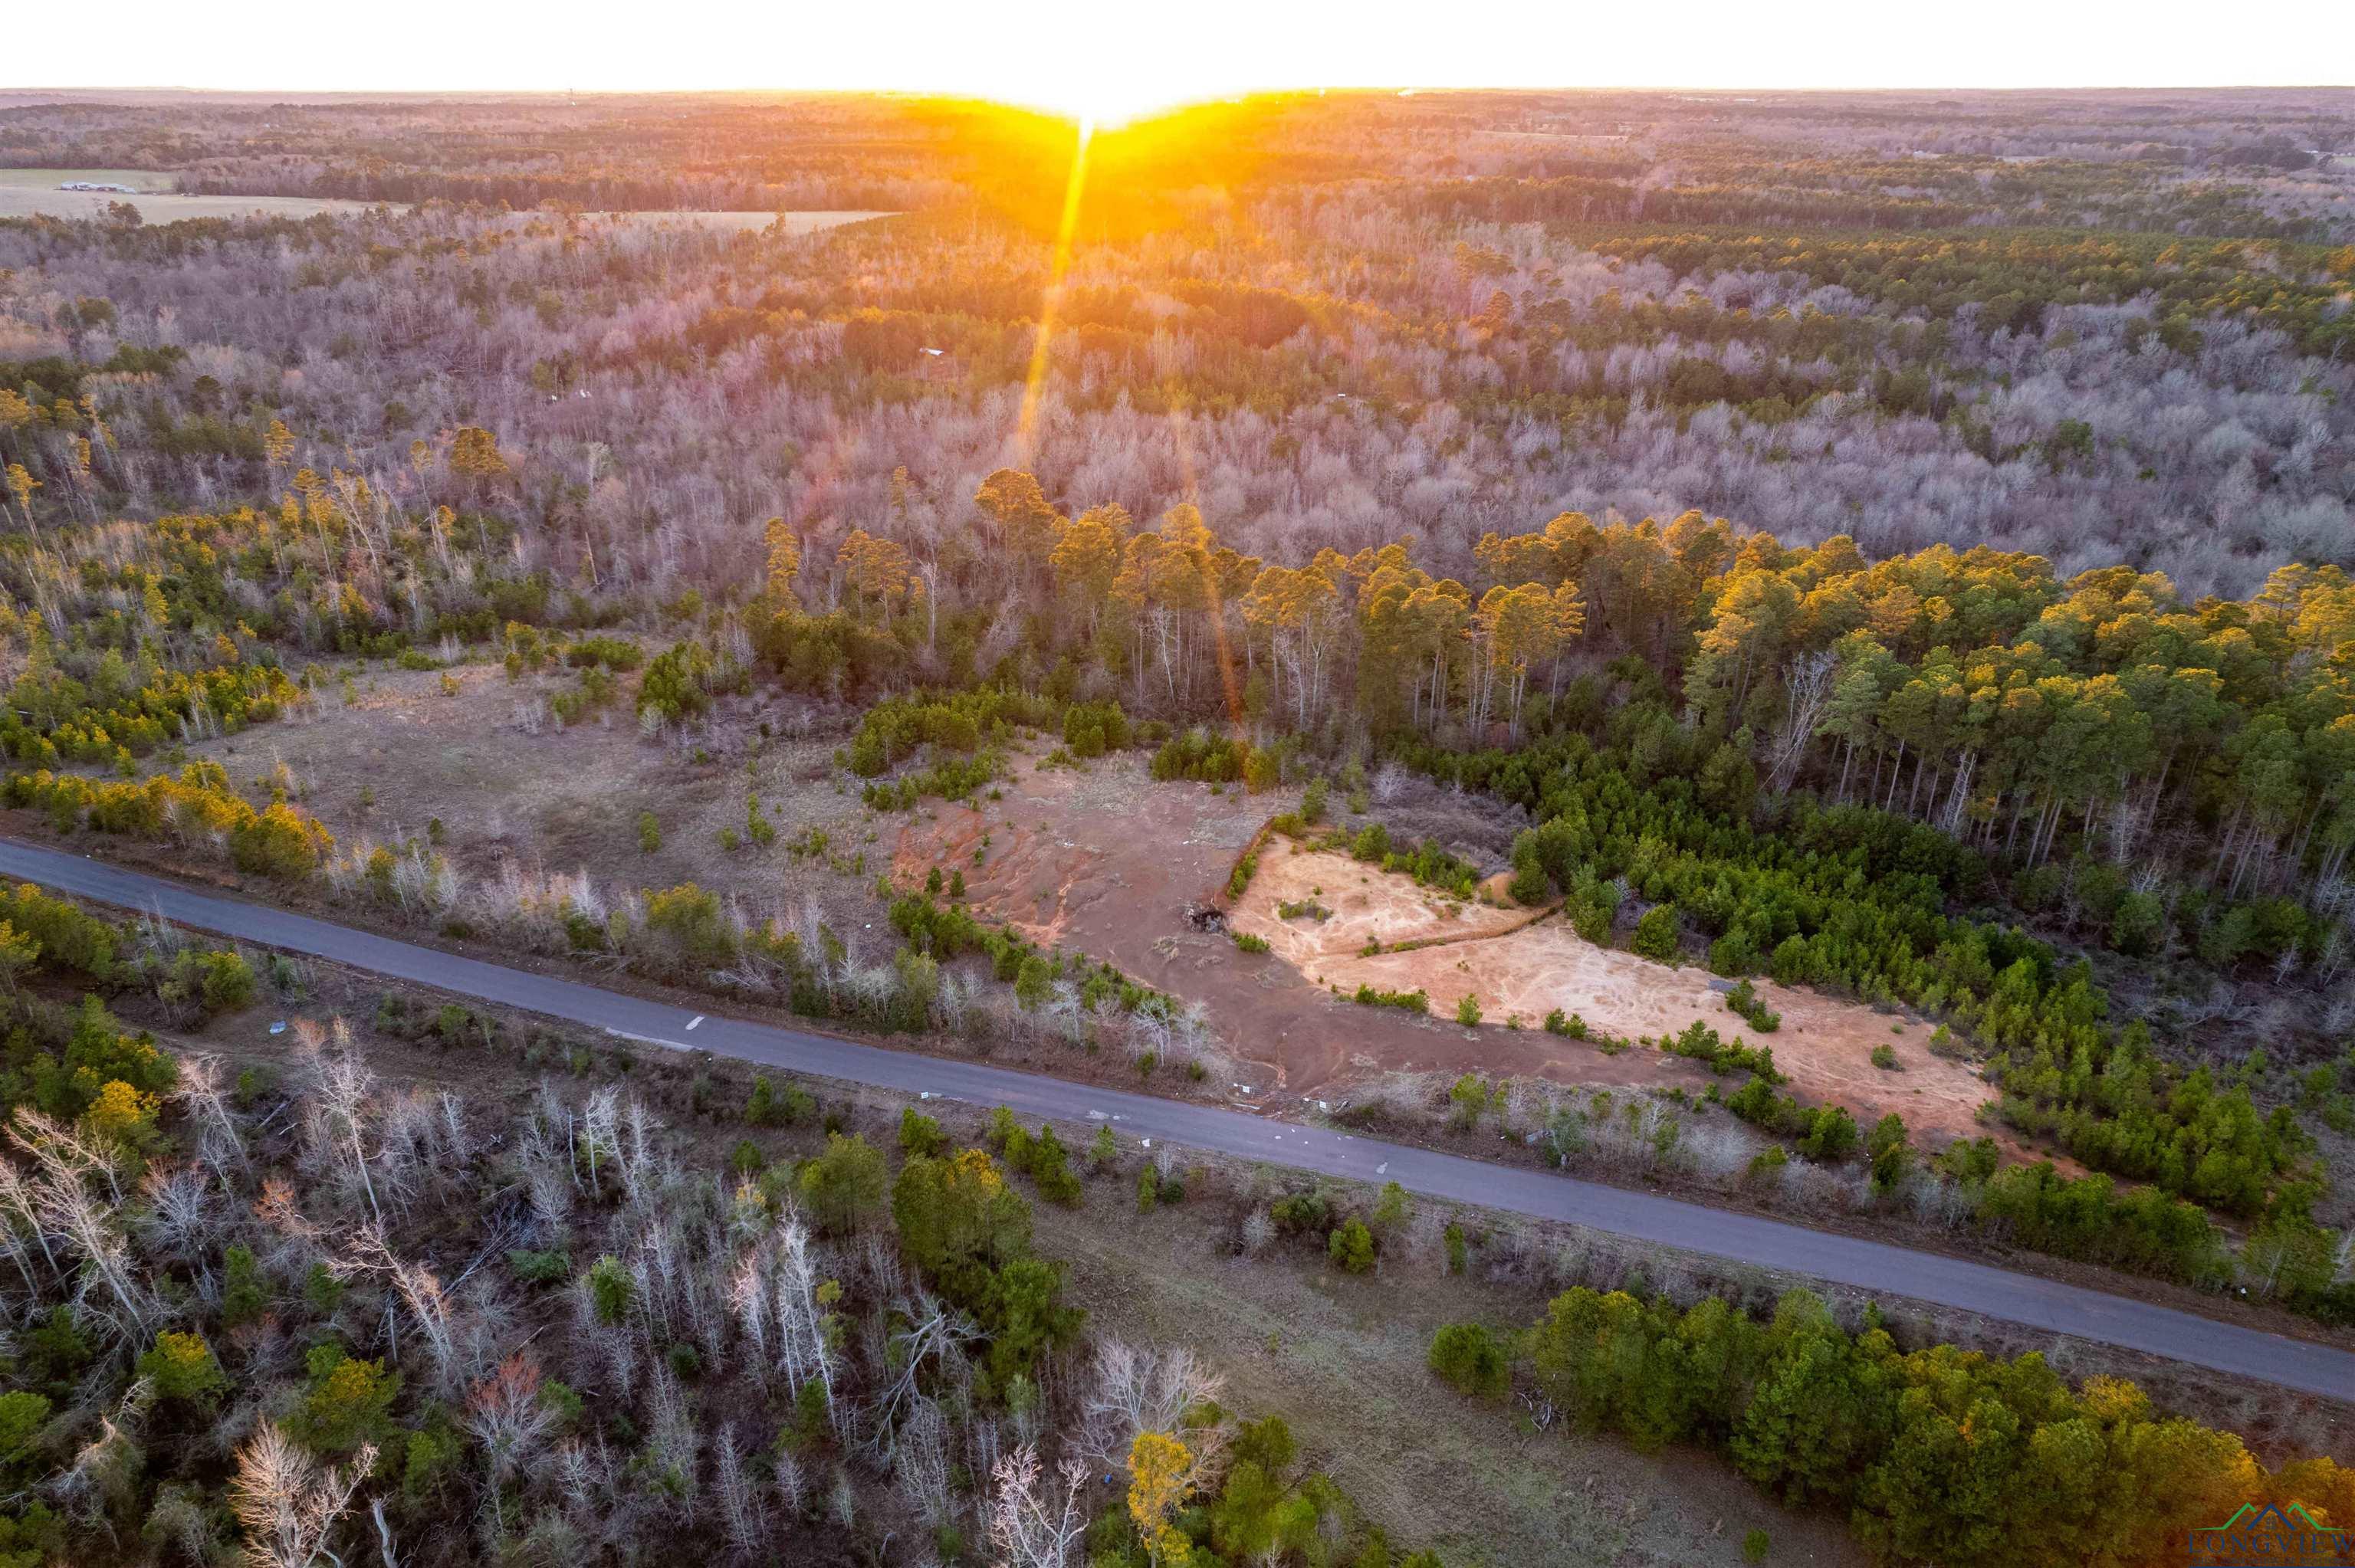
1935, 1454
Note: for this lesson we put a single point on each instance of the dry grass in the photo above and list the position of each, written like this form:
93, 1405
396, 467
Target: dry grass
142, 180
20, 198
1341, 1360
403, 751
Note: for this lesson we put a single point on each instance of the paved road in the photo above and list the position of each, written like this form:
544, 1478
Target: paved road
1792, 1249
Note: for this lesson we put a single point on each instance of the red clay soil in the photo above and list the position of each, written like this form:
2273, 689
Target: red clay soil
1112, 864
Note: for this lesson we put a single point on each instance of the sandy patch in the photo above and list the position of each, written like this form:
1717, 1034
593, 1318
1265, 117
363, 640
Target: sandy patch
1365, 904
1524, 964
1825, 1043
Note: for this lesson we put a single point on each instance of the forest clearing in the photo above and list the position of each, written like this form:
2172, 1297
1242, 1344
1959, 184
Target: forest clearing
1097, 859
1520, 965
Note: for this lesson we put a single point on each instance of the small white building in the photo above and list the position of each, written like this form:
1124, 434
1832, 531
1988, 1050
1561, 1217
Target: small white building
97, 186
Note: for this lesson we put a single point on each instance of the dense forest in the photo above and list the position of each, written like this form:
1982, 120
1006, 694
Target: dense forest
2114, 336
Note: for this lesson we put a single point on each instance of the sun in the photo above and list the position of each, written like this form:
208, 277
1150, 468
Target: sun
1100, 101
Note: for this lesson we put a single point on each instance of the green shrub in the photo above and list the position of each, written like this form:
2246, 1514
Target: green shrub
345, 1403
549, 1265
1470, 1097
920, 1134
1744, 999
1310, 1213
1468, 1358
612, 1291
1656, 933
1351, 1246
1241, 877
1410, 1000
845, 1186
182, 1366
1831, 1135
768, 1106
244, 1297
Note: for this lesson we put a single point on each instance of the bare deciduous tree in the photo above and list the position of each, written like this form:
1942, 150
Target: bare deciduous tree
288, 1505
1031, 1524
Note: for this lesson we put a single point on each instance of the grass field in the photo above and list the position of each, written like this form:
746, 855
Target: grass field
31, 193
1341, 1360
145, 181
28, 193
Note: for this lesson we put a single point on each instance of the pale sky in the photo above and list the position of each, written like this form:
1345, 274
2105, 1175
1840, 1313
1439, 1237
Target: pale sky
1114, 56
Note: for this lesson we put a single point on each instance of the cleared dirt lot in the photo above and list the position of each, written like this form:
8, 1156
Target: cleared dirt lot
1114, 864
1083, 857
1105, 862
1525, 963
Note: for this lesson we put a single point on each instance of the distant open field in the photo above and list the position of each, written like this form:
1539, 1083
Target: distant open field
31, 193
145, 181
27, 193
794, 222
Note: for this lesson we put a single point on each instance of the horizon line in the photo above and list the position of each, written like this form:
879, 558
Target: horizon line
1399, 88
